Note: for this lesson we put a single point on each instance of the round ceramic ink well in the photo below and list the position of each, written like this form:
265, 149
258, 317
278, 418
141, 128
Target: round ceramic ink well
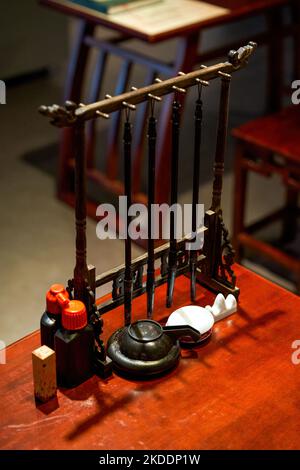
146, 349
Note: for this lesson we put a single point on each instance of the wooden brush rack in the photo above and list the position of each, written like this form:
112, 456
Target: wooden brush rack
212, 265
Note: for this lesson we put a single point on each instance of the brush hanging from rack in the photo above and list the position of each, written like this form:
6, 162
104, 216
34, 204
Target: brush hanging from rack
221, 142
172, 258
196, 184
151, 136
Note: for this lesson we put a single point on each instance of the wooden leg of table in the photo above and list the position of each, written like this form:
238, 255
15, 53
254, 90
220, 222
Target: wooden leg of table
73, 89
96, 84
275, 78
289, 229
239, 199
78, 59
187, 55
112, 158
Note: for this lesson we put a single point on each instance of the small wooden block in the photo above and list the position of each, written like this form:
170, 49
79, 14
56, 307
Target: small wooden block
44, 373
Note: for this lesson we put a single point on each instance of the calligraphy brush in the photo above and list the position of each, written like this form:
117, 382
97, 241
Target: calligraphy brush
127, 138
150, 287
196, 178
172, 261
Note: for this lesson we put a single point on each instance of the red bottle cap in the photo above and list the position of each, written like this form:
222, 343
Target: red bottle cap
74, 316
52, 304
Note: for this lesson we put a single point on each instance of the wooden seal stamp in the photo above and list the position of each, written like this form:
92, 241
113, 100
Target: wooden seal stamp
44, 373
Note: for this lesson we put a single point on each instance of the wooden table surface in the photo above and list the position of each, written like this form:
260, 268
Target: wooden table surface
238, 9
240, 391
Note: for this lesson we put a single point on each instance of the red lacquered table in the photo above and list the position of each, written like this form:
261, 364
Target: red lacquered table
240, 391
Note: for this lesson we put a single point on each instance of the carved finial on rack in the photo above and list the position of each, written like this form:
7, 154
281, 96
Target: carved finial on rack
60, 116
65, 116
240, 57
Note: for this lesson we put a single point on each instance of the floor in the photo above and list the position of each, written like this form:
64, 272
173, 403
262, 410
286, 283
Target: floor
37, 236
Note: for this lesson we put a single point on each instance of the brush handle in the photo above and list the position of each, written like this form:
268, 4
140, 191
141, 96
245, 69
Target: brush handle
127, 139
172, 261
151, 199
196, 182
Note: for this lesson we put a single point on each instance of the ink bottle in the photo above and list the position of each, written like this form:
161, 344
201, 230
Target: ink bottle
51, 319
74, 345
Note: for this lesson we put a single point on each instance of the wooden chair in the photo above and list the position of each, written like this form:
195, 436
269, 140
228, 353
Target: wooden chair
269, 145
80, 76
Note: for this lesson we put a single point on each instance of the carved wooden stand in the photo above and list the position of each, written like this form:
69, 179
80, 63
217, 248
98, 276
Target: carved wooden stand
214, 261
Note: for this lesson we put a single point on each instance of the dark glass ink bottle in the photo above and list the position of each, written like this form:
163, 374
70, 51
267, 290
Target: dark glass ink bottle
51, 319
74, 345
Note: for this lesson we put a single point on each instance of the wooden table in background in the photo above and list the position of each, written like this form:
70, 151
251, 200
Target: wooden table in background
187, 56
239, 9
240, 391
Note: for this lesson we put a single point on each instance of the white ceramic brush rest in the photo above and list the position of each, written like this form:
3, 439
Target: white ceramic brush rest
203, 319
